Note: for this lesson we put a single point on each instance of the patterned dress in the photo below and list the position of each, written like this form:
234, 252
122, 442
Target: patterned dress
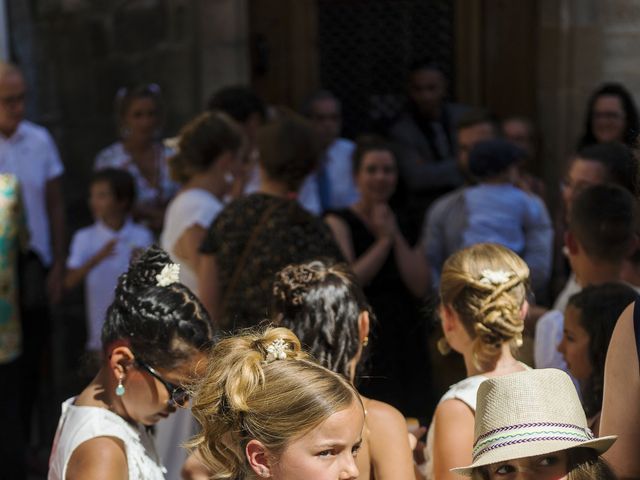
13, 235
287, 234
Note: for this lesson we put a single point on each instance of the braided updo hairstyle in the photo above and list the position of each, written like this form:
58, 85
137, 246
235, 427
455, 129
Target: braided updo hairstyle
491, 311
164, 325
321, 303
246, 395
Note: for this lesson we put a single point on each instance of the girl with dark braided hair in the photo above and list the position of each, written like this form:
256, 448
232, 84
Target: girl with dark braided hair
327, 310
154, 340
483, 304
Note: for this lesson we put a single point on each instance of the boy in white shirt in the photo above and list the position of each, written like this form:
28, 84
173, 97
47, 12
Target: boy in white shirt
600, 237
101, 252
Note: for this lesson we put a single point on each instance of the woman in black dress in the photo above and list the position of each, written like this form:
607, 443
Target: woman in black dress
394, 276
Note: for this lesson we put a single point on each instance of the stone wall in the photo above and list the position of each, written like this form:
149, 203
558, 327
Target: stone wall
77, 53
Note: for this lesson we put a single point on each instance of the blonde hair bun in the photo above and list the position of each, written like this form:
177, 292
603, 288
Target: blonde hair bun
487, 285
261, 385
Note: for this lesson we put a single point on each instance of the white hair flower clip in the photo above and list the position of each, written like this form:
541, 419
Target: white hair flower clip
169, 274
495, 277
277, 350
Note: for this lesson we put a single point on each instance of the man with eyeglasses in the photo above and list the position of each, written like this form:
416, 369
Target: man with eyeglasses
28, 152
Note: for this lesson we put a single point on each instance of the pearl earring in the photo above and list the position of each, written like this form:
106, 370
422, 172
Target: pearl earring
120, 388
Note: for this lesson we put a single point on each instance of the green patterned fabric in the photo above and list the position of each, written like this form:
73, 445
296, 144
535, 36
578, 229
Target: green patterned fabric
12, 236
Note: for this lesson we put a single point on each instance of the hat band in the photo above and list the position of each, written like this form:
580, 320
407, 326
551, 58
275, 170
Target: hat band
529, 432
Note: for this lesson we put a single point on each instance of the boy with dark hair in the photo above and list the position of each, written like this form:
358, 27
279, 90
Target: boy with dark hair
601, 235
593, 165
101, 252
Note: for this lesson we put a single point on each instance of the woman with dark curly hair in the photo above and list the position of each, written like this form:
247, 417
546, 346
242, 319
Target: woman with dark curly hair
612, 116
327, 310
589, 320
154, 341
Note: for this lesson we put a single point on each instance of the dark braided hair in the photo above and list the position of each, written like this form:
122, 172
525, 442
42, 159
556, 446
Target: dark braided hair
164, 325
321, 304
599, 307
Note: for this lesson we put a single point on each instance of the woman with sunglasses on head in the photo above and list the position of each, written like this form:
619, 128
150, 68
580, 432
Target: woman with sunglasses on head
154, 338
140, 151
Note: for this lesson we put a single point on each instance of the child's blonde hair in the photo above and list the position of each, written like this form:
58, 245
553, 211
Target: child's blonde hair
486, 284
243, 397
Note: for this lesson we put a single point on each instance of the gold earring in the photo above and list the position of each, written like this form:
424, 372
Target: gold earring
443, 346
365, 342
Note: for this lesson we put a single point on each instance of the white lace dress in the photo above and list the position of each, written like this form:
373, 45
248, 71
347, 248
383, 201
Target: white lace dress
79, 423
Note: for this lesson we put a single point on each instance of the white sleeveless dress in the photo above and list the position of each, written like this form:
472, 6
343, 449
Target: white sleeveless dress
81, 423
465, 391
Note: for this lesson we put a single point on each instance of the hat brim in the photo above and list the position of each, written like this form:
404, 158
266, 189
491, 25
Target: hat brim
524, 450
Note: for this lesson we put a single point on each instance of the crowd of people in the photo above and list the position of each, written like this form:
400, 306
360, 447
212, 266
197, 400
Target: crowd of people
267, 299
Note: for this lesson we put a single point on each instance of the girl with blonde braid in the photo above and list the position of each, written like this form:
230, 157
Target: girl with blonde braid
483, 304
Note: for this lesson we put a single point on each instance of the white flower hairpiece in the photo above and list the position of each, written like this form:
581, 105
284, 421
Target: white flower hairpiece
277, 350
169, 274
495, 277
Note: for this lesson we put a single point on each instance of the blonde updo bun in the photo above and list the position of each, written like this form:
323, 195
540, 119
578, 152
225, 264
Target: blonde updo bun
246, 395
490, 312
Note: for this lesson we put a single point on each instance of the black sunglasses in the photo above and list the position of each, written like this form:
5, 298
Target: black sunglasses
178, 396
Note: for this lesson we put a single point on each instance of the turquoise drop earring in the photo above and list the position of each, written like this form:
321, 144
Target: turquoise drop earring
120, 388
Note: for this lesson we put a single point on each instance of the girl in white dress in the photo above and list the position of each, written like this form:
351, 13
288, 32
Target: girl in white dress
209, 153
210, 149
154, 338
483, 292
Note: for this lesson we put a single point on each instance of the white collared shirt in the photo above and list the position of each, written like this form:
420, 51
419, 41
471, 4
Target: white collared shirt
101, 281
337, 164
31, 155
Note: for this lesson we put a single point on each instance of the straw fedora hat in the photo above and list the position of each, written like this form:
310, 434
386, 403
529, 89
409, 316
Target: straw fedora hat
526, 414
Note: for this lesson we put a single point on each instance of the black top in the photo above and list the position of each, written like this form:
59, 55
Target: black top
288, 235
399, 367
